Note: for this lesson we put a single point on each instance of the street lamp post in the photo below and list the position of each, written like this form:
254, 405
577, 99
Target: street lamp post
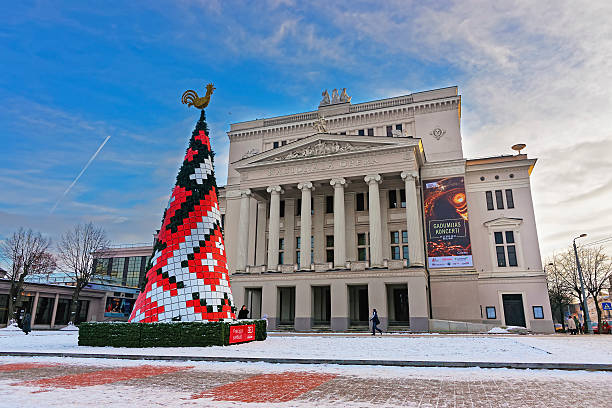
585, 308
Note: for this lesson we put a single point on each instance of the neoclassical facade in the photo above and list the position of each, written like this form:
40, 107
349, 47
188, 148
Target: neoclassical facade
334, 212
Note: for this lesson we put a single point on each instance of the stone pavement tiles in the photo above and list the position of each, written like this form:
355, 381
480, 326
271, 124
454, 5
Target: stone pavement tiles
298, 388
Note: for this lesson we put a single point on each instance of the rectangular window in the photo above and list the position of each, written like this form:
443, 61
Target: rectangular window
395, 252
538, 312
361, 132
329, 248
275, 145
512, 255
489, 195
329, 204
44, 310
117, 268
102, 266
505, 250
371, 132
283, 143
509, 199
398, 127
297, 252
499, 198
399, 251
491, 312
362, 246
133, 271
403, 198
395, 237
282, 208
501, 256
281, 251
389, 131
392, 199
360, 205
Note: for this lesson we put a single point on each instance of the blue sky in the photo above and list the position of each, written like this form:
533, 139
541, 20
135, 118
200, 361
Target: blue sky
72, 73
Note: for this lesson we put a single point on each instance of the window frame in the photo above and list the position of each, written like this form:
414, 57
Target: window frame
489, 308
541, 309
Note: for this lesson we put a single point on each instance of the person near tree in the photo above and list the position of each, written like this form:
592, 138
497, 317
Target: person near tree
26, 325
578, 325
243, 313
571, 325
375, 322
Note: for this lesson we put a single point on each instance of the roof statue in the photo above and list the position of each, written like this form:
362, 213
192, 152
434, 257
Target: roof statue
344, 97
325, 100
335, 96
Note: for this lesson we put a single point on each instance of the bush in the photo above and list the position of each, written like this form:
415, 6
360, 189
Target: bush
174, 334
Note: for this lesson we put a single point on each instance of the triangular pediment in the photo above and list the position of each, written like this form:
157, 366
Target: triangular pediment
324, 144
503, 222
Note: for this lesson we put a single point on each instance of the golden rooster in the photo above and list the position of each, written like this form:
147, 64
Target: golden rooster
190, 97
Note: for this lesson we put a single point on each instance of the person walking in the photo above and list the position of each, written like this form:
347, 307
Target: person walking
26, 325
375, 322
577, 323
571, 325
243, 313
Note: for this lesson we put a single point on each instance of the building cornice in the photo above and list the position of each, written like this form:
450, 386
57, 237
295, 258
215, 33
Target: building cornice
357, 115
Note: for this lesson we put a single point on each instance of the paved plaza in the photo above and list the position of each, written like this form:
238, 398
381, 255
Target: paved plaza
29, 382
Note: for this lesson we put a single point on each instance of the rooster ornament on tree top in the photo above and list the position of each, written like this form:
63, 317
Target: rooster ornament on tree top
187, 277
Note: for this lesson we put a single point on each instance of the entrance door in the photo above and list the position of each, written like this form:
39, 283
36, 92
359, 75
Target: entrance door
253, 302
286, 298
400, 305
514, 313
321, 305
358, 305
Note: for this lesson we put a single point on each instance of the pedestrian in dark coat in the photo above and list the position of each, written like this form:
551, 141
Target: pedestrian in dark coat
375, 322
243, 313
26, 325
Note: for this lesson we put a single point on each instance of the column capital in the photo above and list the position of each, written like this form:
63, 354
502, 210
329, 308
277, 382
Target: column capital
338, 182
275, 189
413, 175
238, 193
373, 178
305, 185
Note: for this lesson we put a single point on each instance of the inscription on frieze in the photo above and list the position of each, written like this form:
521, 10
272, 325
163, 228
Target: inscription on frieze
328, 165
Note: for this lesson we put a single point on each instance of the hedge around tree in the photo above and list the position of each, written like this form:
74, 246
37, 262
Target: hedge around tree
174, 334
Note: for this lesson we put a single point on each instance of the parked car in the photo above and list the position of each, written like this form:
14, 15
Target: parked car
606, 327
558, 328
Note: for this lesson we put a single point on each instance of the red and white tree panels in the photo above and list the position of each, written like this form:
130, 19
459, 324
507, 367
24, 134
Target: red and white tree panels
187, 278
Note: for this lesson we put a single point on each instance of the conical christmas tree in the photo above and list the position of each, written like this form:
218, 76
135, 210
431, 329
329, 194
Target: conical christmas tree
187, 277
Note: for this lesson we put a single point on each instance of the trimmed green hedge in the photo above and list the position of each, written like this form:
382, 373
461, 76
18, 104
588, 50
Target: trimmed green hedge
175, 334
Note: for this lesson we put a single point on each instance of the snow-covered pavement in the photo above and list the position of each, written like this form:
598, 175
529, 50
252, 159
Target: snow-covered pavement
72, 382
482, 348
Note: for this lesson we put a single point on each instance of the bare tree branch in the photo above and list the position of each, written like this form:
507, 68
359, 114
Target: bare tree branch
76, 251
25, 253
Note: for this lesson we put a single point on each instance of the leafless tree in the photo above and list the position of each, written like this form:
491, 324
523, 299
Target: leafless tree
559, 293
76, 250
596, 271
25, 253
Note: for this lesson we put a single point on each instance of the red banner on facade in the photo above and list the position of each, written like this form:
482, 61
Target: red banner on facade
240, 334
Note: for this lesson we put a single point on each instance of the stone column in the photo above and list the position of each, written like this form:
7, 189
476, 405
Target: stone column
305, 224
274, 227
339, 223
260, 236
54, 313
376, 253
242, 253
34, 308
413, 220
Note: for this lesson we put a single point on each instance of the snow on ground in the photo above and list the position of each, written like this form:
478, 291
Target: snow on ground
494, 348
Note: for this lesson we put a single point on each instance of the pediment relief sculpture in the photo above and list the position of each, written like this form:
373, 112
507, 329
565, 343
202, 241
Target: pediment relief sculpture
322, 148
